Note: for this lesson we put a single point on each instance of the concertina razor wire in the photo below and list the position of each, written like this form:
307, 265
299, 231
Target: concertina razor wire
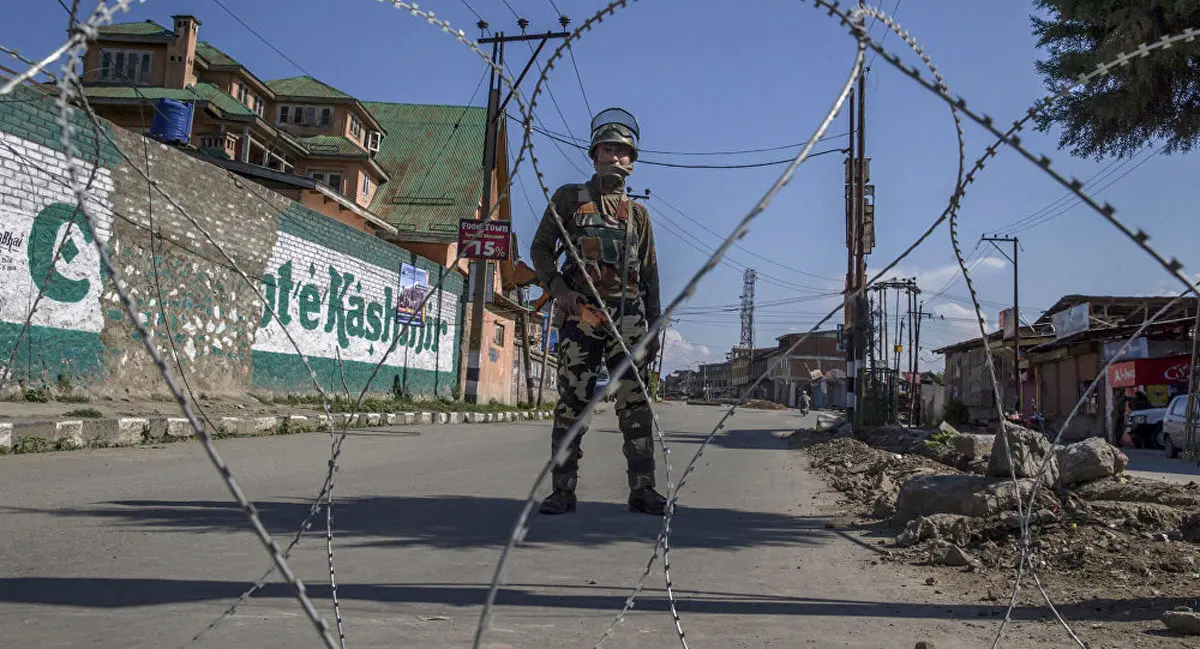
68, 83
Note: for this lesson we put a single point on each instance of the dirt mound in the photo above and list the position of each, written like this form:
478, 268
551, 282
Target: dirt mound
1116, 539
761, 404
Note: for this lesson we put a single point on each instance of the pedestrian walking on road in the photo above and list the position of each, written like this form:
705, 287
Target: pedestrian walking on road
613, 237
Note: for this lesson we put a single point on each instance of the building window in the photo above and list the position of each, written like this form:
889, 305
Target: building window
125, 66
356, 127
305, 115
373, 139
331, 178
258, 106
243, 94
366, 185
498, 335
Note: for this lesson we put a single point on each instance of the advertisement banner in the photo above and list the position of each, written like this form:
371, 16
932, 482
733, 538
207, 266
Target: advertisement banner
414, 286
1071, 321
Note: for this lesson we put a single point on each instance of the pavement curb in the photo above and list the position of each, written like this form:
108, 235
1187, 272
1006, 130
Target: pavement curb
19, 437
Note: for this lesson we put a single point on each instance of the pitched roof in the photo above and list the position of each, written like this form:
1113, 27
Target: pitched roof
1120, 306
213, 55
202, 91
434, 156
143, 28
332, 145
305, 86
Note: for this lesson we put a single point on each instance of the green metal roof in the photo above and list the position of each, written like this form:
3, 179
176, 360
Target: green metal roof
331, 145
213, 55
144, 28
434, 158
305, 86
201, 91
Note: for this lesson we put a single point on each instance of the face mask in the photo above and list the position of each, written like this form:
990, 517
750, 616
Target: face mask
613, 175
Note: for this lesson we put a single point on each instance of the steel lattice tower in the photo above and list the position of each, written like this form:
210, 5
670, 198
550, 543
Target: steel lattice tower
748, 279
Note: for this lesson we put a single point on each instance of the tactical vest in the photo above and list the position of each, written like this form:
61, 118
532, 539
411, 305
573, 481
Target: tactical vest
604, 243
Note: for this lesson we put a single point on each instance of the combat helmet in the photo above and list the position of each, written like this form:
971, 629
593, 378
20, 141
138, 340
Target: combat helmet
614, 125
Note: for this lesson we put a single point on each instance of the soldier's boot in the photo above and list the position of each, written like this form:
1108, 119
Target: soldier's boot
643, 498
562, 499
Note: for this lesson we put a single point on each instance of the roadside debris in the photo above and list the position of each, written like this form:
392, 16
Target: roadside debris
1182, 620
950, 500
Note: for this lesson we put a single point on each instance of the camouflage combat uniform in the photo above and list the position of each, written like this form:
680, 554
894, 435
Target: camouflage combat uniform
595, 219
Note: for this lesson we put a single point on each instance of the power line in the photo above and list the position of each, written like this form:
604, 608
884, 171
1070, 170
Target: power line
1109, 169
472, 9
263, 39
741, 247
1094, 191
886, 32
579, 78
655, 163
728, 261
780, 147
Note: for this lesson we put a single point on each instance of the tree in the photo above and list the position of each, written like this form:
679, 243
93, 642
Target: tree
1152, 98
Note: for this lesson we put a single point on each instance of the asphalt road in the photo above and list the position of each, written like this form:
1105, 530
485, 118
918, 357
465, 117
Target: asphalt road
142, 547
1154, 464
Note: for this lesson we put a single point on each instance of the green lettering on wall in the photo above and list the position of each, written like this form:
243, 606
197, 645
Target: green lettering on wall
336, 317
285, 293
42, 238
354, 319
389, 315
268, 281
374, 323
310, 303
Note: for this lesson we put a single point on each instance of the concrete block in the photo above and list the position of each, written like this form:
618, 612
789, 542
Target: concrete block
173, 428
441, 417
71, 430
320, 422
510, 416
478, 417
6, 436
456, 417
295, 423
121, 431
392, 418
259, 426
229, 425
370, 419
408, 418
424, 417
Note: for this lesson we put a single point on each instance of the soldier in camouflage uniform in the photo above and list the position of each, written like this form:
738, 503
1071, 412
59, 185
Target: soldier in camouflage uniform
613, 237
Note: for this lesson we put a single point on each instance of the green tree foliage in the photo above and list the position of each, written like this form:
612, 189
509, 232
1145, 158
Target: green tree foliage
1152, 98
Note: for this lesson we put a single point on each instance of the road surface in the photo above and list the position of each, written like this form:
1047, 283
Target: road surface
142, 547
1154, 464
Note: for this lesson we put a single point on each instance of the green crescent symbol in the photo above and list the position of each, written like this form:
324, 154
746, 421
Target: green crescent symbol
40, 250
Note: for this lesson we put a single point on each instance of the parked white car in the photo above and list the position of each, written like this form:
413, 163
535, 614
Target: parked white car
1174, 425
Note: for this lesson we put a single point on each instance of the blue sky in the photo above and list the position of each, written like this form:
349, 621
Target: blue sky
707, 76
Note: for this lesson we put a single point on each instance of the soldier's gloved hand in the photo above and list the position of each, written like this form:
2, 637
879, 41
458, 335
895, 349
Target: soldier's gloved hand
569, 301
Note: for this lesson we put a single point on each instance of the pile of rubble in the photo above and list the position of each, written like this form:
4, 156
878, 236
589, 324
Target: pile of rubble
950, 500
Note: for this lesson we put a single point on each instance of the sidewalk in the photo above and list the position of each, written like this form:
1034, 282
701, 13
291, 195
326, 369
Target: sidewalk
28, 427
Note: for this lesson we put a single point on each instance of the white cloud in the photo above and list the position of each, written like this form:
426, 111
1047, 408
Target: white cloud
680, 354
935, 279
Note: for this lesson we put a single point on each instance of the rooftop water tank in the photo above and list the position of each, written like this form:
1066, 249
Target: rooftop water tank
172, 121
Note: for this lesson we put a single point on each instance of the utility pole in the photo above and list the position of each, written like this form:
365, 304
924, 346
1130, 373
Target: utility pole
1190, 417
480, 269
915, 410
1016, 315
860, 237
545, 352
861, 241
